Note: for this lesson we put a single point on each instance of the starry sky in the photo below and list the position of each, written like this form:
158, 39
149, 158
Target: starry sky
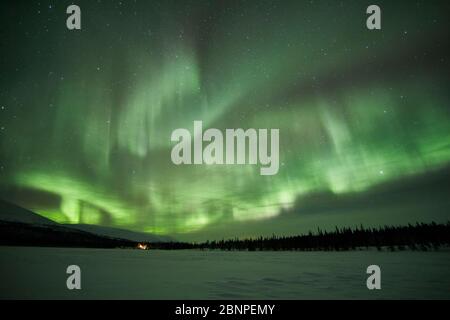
86, 115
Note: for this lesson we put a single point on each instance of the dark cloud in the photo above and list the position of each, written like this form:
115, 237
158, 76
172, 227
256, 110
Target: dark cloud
432, 187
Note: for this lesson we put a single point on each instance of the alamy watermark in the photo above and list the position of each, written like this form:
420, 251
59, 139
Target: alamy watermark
240, 147
74, 279
73, 21
374, 280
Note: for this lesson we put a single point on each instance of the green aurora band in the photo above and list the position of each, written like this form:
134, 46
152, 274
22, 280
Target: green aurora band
87, 115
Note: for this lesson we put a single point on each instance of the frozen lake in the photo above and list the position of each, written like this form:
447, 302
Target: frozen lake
135, 274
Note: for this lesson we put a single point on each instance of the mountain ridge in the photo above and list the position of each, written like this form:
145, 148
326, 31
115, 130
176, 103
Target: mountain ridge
14, 214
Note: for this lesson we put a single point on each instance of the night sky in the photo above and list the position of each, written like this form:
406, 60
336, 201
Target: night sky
86, 116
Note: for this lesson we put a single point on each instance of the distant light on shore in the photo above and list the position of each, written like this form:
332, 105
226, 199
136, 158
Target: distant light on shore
142, 246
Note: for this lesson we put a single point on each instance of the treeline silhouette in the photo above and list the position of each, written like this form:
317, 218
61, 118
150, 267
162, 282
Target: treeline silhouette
420, 236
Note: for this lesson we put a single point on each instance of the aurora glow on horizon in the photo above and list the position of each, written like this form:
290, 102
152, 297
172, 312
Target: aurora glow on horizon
86, 116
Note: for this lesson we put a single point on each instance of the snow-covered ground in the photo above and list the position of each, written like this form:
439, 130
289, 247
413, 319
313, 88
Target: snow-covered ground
135, 274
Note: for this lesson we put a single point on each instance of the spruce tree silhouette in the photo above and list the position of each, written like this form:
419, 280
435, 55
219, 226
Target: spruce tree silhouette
421, 236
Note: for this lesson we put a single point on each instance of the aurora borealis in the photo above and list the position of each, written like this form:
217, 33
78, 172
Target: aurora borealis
86, 116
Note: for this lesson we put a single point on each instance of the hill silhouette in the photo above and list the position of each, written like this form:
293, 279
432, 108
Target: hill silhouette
26, 227
13, 213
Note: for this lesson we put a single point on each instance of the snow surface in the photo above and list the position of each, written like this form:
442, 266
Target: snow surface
136, 274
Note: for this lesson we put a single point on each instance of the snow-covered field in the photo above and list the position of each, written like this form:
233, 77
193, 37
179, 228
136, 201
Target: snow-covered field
135, 274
